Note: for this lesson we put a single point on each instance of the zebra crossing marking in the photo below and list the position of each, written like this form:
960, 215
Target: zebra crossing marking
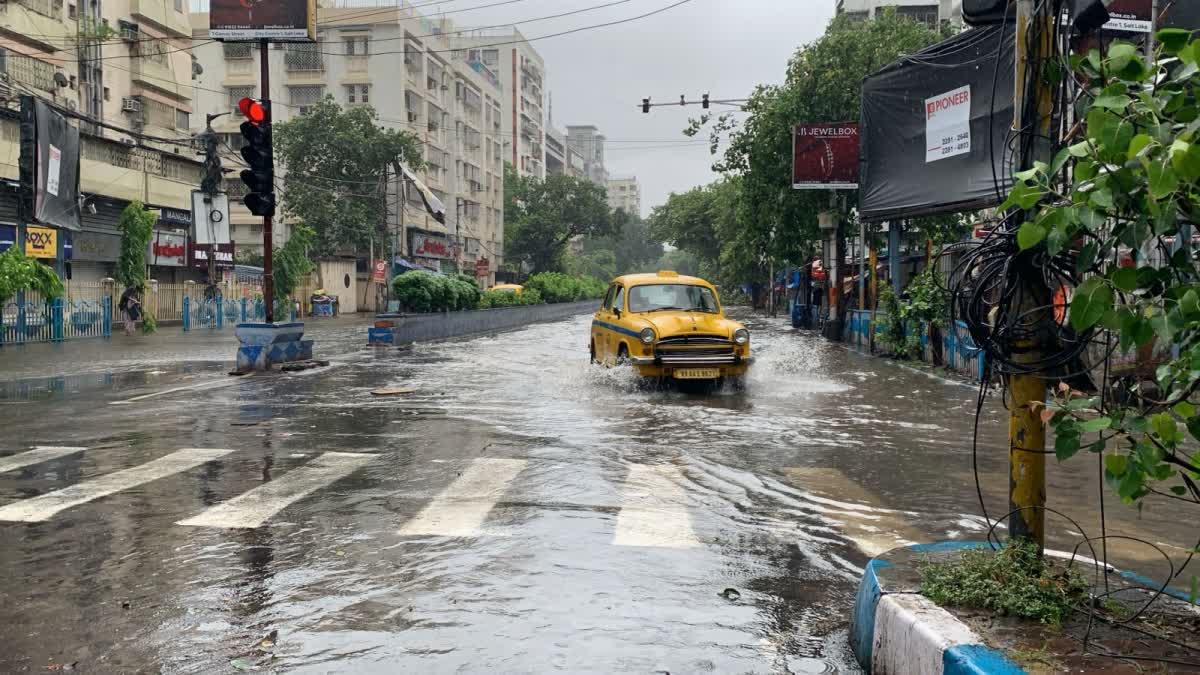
653, 510
39, 454
460, 509
252, 509
38, 509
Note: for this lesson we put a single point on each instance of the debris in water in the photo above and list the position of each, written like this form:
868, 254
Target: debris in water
125, 604
242, 664
731, 594
392, 392
55, 667
269, 641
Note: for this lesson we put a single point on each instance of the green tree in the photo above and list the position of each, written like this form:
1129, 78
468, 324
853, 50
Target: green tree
632, 245
821, 85
336, 159
19, 272
542, 216
136, 224
704, 222
289, 264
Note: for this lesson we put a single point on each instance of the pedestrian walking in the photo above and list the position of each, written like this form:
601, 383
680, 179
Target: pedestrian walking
131, 308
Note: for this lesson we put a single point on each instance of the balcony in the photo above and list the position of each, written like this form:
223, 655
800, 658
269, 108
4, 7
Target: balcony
303, 58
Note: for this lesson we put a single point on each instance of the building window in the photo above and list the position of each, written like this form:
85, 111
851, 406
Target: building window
238, 93
183, 119
28, 71
357, 46
154, 50
237, 50
358, 93
178, 5
304, 98
107, 94
71, 12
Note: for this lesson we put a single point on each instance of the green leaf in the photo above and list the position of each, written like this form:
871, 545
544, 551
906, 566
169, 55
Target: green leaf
1113, 319
1087, 256
1116, 102
1163, 425
1091, 300
1026, 175
1030, 235
1116, 464
1139, 330
1125, 278
1185, 410
1120, 54
1081, 149
1065, 446
1096, 424
1193, 427
1138, 144
1190, 304
1101, 198
1174, 39
1056, 240
1163, 181
1060, 160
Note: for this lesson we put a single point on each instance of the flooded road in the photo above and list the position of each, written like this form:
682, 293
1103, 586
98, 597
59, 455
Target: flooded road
519, 511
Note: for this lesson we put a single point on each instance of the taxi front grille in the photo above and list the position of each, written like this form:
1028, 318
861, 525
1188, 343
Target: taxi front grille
695, 339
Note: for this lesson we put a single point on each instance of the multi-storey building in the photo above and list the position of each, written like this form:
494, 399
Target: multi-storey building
522, 77
560, 157
931, 12
119, 70
625, 194
402, 64
587, 140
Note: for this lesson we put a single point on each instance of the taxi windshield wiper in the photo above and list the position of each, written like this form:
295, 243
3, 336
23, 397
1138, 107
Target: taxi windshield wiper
667, 309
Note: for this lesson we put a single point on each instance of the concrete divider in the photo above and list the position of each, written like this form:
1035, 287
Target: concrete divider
406, 329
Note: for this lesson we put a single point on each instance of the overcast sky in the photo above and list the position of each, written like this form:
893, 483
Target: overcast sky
723, 47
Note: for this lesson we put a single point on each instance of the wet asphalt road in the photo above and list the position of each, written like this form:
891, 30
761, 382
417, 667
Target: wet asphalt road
519, 511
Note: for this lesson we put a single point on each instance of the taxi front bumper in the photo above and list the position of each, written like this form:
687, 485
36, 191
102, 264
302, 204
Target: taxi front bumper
692, 361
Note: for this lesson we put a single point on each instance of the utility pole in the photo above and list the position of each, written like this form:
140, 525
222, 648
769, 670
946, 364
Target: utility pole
264, 51
1027, 391
211, 183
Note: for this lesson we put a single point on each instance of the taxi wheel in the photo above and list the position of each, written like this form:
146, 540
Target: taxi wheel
622, 356
592, 353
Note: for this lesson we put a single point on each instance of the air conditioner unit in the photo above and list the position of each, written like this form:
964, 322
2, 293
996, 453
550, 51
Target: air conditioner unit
131, 105
412, 117
129, 34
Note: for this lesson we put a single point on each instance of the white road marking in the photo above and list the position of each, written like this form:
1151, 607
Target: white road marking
653, 510
255, 507
460, 509
39, 454
44, 507
211, 384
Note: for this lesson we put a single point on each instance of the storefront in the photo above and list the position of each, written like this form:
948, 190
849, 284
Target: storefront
167, 256
94, 255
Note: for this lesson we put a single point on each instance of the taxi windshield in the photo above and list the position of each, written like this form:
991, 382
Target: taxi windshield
666, 297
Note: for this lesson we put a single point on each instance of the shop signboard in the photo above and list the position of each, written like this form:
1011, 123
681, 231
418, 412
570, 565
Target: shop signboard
168, 249
222, 257
379, 271
96, 246
41, 242
431, 246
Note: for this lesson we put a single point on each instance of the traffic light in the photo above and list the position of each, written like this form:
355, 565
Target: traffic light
704, 101
645, 105
257, 151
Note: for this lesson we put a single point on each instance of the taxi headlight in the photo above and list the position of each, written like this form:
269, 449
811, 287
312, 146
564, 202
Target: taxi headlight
647, 335
741, 336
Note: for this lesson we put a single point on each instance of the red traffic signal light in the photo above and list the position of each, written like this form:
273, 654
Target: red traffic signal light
253, 110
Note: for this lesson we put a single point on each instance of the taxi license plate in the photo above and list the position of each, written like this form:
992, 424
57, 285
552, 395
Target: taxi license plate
697, 373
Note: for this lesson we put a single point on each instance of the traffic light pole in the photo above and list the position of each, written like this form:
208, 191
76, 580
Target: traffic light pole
264, 50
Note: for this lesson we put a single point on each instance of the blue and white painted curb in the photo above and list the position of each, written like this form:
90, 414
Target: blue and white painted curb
897, 631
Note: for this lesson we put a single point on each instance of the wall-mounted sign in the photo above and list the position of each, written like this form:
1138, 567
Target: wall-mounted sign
41, 242
210, 214
168, 249
379, 271
431, 246
8, 237
825, 156
170, 216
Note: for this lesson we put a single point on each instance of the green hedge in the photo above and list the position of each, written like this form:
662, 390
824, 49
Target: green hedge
420, 291
558, 287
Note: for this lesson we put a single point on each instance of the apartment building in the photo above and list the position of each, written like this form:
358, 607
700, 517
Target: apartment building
931, 12
402, 64
522, 78
120, 71
560, 157
625, 194
587, 140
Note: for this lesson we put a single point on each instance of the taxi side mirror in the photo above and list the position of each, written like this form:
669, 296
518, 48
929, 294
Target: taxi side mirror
617, 312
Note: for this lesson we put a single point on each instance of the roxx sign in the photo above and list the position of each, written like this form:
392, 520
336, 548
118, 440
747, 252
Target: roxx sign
41, 242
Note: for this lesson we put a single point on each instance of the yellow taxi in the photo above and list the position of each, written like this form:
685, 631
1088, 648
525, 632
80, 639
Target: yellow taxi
669, 326
510, 288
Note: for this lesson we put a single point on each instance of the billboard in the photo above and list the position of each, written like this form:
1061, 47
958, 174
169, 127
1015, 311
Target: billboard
431, 246
167, 249
276, 20
41, 242
935, 128
825, 156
